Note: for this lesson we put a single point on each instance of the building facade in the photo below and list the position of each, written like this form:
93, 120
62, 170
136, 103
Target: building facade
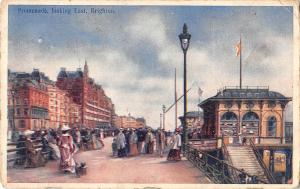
250, 112
28, 100
62, 110
96, 108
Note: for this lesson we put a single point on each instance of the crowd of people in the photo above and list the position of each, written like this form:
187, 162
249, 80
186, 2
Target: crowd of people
35, 148
130, 142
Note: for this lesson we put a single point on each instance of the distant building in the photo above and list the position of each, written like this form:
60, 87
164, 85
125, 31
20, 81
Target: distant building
130, 122
28, 100
96, 107
249, 112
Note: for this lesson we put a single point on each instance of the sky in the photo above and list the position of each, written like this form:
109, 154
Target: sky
132, 51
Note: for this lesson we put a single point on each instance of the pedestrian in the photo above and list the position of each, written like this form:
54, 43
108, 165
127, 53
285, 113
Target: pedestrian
127, 138
121, 142
52, 142
244, 141
77, 138
67, 149
243, 176
34, 157
160, 141
114, 147
95, 142
175, 145
133, 143
149, 142
141, 138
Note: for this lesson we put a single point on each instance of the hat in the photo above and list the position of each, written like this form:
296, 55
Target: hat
28, 132
65, 128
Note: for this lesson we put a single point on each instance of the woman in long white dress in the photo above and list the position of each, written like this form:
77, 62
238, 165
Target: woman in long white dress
67, 149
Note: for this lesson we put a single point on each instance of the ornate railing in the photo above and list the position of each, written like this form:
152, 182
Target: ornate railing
218, 170
244, 87
267, 172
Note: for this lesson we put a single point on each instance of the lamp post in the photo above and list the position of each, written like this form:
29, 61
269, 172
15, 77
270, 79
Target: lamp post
164, 112
160, 123
184, 38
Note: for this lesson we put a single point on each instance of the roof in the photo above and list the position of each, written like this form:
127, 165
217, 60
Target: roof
70, 74
248, 93
193, 114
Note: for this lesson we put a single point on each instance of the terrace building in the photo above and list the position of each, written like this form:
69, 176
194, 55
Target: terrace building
28, 100
96, 108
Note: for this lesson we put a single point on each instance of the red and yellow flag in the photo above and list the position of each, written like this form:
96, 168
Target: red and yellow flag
238, 48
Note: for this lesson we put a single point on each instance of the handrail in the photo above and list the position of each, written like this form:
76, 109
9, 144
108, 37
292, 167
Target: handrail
226, 153
216, 172
263, 165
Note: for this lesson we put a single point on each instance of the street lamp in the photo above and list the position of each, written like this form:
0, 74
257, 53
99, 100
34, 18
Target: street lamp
184, 38
164, 112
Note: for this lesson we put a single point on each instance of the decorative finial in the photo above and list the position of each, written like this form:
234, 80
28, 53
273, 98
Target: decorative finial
185, 28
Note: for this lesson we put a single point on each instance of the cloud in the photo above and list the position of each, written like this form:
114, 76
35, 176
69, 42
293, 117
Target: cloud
133, 57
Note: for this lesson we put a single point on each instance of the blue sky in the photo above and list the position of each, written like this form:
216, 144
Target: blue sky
134, 51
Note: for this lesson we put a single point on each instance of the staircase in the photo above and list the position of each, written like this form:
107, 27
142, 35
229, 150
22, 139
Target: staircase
243, 157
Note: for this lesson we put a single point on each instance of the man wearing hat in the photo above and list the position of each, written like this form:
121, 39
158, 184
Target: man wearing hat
34, 157
67, 149
149, 142
121, 142
174, 153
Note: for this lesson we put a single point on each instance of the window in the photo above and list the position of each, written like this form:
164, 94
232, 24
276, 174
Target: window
18, 111
272, 126
250, 124
25, 111
22, 124
229, 116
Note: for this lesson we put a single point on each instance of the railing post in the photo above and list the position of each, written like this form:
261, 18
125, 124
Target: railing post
223, 172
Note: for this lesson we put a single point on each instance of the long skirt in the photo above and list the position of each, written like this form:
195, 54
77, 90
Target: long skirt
67, 162
150, 147
133, 150
122, 152
174, 155
96, 144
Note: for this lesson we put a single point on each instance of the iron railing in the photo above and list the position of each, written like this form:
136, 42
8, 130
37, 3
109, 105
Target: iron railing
267, 172
244, 87
218, 170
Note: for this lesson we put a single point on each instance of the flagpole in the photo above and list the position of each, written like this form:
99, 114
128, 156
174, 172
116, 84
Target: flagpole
175, 88
240, 62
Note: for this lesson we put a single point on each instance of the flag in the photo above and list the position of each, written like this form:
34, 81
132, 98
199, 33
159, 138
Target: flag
238, 48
